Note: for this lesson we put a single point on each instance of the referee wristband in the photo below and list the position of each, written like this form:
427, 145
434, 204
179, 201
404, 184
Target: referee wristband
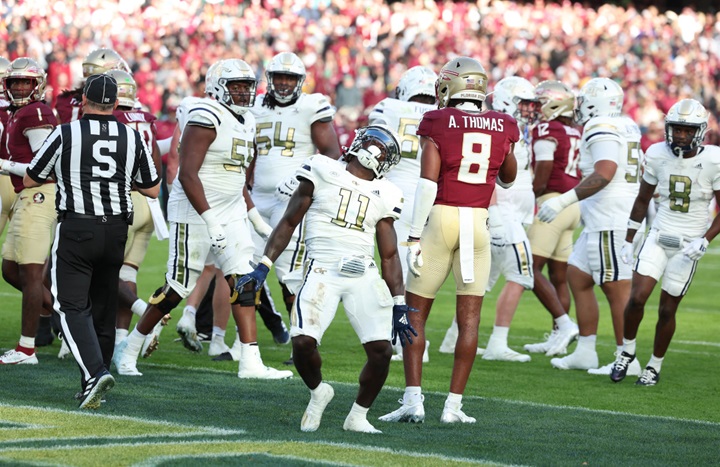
266, 261
633, 225
399, 300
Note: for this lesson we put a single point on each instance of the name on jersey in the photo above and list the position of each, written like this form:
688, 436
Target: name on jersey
477, 123
135, 116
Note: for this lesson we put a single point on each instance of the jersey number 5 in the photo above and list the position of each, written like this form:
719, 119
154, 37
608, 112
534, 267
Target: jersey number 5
476, 150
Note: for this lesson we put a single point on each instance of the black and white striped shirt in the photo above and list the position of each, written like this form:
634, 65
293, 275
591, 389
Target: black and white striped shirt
95, 161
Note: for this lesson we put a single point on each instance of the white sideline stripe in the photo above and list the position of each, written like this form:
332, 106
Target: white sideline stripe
153, 461
711, 344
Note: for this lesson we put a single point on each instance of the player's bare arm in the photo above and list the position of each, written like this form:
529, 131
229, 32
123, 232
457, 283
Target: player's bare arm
194, 145
640, 207
603, 172
430, 159
542, 175
297, 207
173, 157
714, 229
325, 139
508, 169
389, 259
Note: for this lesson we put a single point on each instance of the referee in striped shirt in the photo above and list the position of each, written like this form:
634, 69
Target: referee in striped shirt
96, 161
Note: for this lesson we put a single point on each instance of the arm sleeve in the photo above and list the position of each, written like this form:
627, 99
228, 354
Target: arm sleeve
36, 137
606, 150
544, 150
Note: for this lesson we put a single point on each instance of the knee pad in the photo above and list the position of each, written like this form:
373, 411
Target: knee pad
165, 299
288, 297
244, 298
128, 273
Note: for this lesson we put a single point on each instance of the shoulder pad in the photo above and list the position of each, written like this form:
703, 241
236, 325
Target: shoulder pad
317, 105
603, 129
206, 113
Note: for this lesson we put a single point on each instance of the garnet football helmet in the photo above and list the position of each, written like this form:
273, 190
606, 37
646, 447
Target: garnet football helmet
687, 112
376, 148
599, 97
227, 71
556, 100
285, 63
417, 81
102, 60
4, 64
461, 78
126, 88
25, 68
509, 92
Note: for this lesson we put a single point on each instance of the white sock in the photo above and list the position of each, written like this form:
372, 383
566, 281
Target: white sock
656, 363
139, 307
313, 392
564, 322
499, 336
120, 335
359, 411
27, 342
453, 401
218, 339
134, 342
413, 395
217, 331
190, 310
586, 343
629, 346
618, 349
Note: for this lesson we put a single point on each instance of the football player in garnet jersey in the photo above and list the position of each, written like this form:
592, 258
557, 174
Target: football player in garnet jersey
34, 218
555, 143
7, 193
465, 150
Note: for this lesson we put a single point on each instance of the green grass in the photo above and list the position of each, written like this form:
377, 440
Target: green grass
187, 409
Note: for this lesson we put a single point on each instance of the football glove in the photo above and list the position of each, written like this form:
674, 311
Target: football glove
414, 256
258, 276
550, 209
218, 239
496, 226
285, 189
261, 227
626, 252
696, 248
402, 328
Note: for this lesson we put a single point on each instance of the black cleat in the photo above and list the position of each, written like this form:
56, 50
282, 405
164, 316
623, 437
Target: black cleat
620, 367
223, 357
649, 377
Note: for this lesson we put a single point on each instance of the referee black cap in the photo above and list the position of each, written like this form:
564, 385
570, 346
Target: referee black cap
101, 89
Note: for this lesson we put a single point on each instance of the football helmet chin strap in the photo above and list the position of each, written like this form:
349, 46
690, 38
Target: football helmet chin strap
368, 158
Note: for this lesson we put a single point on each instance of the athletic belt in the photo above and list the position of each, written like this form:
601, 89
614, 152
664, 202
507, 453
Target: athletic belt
127, 218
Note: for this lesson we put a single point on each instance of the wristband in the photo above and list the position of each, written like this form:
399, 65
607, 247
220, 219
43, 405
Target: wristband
210, 218
399, 300
266, 261
633, 225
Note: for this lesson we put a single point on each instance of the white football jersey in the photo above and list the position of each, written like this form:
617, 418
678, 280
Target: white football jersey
222, 172
181, 112
609, 209
403, 118
518, 201
685, 188
345, 210
284, 138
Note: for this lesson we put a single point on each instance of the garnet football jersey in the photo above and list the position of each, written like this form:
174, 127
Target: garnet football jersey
564, 175
143, 122
34, 115
68, 106
472, 148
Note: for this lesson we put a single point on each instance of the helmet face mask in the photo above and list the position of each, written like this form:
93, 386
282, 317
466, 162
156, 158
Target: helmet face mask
285, 63
127, 88
416, 81
25, 68
515, 96
102, 60
555, 99
376, 147
599, 97
683, 117
461, 78
220, 80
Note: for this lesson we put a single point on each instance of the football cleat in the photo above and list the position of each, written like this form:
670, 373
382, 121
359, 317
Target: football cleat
649, 377
406, 413
64, 349
17, 357
541, 347
359, 424
563, 338
218, 348
95, 389
125, 363
152, 340
620, 367
188, 334
319, 399
633, 370
455, 416
504, 354
578, 360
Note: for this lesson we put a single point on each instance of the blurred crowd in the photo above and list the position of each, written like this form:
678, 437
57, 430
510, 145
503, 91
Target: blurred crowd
356, 50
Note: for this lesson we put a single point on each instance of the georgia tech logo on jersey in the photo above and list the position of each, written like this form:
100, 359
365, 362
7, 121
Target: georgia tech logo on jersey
38, 198
319, 270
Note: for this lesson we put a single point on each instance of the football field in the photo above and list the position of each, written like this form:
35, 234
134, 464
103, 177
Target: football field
187, 409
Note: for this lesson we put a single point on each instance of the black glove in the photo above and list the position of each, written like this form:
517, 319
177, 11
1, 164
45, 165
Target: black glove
401, 324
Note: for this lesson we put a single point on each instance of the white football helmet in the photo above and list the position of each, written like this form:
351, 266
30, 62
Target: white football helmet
102, 60
126, 87
509, 92
556, 100
25, 68
417, 81
687, 112
4, 64
599, 97
285, 63
376, 148
461, 78
224, 72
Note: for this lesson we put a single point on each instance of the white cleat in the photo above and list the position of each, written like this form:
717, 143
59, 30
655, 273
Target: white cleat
504, 354
634, 369
188, 333
13, 357
64, 350
451, 349
218, 348
563, 338
578, 360
541, 347
319, 399
406, 413
127, 365
455, 416
263, 372
359, 425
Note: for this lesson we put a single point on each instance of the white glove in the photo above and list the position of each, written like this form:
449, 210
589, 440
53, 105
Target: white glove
261, 227
552, 207
496, 226
414, 257
696, 248
626, 252
285, 189
218, 239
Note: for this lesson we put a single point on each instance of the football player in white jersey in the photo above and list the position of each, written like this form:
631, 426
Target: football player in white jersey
208, 214
686, 175
610, 158
346, 207
415, 94
291, 126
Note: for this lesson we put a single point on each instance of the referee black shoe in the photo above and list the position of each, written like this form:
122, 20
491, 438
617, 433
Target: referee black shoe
621, 365
95, 389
